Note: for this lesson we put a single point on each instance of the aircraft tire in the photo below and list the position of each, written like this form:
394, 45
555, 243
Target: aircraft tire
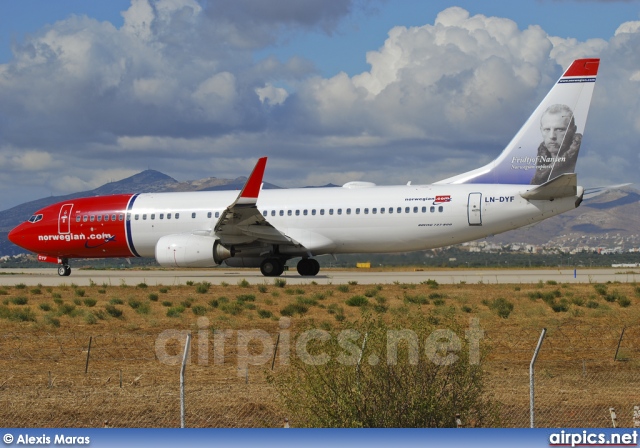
271, 267
64, 270
308, 267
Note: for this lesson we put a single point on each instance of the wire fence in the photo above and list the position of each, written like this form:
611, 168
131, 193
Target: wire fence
580, 374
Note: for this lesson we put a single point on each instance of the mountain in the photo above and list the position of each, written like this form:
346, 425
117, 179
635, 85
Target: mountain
608, 220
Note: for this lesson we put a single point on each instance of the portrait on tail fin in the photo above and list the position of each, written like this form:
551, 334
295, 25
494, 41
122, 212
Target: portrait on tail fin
558, 152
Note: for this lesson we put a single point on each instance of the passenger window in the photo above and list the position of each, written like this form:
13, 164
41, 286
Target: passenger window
382, 211
304, 212
441, 208
177, 215
399, 210
415, 209
313, 212
77, 218
281, 212
153, 216
366, 211
113, 218
106, 218
424, 209
339, 211
407, 209
168, 215
390, 209
348, 211
136, 217
209, 215
374, 210
99, 218
322, 211
93, 218
273, 213
85, 218
289, 212
297, 212
121, 217
331, 211
193, 215
161, 216
264, 213
218, 214
357, 211
144, 216
432, 209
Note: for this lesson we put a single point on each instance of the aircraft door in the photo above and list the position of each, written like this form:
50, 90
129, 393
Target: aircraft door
474, 209
64, 219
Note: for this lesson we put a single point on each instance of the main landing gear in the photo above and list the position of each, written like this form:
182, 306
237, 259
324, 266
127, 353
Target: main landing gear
274, 267
64, 270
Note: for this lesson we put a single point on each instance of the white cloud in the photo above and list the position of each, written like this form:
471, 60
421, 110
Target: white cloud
177, 88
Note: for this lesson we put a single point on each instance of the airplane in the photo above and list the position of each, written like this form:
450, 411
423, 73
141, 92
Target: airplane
531, 180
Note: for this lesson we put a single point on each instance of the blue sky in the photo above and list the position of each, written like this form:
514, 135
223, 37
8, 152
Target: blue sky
92, 91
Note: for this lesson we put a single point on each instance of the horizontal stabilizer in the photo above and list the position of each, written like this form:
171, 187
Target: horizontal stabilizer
597, 191
563, 186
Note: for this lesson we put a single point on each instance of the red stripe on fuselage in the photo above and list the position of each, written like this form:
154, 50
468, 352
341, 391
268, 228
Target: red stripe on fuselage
78, 228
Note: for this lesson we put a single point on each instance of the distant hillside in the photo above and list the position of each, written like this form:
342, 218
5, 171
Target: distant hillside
608, 220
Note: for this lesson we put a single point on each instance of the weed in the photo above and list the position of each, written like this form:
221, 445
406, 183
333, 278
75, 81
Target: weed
20, 300
262, 288
265, 314
502, 307
167, 303
113, 311
280, 282
79, 292
199, 310
153, 297
357, 301
203, 287
45, 307
343, 288
244, 283
142, 285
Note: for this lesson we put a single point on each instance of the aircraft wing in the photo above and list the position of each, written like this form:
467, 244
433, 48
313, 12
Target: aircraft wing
242, 222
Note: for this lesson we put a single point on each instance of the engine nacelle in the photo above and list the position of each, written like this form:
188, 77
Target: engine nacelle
191, 251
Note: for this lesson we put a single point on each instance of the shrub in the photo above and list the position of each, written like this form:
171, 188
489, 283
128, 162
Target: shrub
601, 289
203, 287
420, 299
357, 301
412, 391
246, 298
343, 288
80, 292
502, 307
353, 282
36, 291
141, 285
90, 302
294, 308
45, 307
592, 304
115, 301
153, 297
624, 301
163, 290
51, 320
175, 311
113, 311
167, 303
244, 283
19, 300
21, 286
280, 282
199, 310
90, 319
233, 308
265, 314
560, 307
213, 303
262, 288
23, 315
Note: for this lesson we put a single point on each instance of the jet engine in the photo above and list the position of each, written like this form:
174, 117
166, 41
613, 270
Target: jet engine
191, 251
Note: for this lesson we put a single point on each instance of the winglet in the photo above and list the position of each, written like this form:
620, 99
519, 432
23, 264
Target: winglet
251, 189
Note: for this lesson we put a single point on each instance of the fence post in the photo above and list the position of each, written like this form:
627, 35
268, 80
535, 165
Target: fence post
184, 366
531, 382
86, 366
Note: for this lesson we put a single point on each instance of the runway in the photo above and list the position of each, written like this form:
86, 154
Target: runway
132, 277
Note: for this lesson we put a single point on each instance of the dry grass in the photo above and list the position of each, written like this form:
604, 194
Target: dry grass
43, 351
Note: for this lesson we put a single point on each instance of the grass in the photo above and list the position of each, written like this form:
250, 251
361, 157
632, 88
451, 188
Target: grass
583, 320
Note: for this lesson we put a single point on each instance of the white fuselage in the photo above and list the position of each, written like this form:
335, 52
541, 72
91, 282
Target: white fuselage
353, 220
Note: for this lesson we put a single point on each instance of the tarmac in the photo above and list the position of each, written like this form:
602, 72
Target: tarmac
216, 276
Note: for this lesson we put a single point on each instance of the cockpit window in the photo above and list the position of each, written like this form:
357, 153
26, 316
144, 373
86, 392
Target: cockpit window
35, 218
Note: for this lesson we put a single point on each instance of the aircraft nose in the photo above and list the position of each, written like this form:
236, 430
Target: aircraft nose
16, 235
